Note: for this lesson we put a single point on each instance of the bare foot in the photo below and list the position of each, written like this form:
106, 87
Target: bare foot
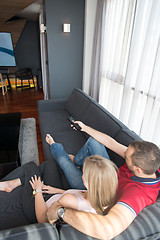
49, 139
71, 157
8, 186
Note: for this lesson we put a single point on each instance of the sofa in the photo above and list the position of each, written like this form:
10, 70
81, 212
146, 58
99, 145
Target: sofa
53, 119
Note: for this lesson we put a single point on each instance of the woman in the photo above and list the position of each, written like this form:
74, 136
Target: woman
99, 178
97, 171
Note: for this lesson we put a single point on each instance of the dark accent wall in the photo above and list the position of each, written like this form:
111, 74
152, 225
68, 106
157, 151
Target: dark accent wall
27, 50
65, 50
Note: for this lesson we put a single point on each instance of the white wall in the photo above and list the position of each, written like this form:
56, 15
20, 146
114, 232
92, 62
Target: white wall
90, 14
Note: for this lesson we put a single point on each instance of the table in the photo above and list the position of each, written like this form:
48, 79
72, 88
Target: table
9, 137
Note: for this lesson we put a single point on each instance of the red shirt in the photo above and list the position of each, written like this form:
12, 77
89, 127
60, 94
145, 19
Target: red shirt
135, 192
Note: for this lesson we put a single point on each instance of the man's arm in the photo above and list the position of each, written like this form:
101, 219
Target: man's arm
103, 138
94, 225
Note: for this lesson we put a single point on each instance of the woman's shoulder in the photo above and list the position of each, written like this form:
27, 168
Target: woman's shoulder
76, 192
69, 200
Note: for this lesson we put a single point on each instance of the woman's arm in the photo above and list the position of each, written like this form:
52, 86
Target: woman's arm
40, 205
40, 208
103, 138
67, 200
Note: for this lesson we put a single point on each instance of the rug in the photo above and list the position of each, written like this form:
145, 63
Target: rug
28, 148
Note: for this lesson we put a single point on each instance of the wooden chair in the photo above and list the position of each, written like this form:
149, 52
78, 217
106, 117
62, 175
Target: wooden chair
4, 84
24, 74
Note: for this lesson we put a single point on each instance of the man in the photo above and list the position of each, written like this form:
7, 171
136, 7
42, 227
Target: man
139, 185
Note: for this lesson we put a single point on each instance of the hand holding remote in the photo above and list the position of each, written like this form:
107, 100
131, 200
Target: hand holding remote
72, 121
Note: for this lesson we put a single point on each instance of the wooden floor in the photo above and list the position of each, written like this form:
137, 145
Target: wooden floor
24, 101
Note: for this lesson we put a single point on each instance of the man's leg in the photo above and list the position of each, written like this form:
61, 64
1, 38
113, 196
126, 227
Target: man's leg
72, 173
91, 147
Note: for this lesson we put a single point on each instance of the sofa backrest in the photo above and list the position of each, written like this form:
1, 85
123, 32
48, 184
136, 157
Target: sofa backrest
86, 109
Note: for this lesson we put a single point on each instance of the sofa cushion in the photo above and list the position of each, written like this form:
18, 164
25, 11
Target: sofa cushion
77, 104
54, 121
56, 124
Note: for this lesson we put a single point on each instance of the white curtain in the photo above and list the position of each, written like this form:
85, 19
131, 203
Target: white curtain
98, 48
130, 79
118, 29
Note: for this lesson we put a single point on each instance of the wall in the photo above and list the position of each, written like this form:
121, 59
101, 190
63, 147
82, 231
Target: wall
65, 50
27, 50
90, 15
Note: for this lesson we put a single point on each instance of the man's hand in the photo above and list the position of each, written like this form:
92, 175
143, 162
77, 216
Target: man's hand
82, 125
52, 212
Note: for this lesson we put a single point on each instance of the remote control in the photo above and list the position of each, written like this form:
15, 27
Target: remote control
72, 121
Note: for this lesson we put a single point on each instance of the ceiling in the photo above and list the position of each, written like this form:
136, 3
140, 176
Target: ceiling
22, 8
15, 13
31, 12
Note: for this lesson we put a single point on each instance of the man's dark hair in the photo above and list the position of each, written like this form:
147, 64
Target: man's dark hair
146, 156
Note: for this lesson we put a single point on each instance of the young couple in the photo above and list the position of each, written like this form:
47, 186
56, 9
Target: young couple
89, 191
138, 184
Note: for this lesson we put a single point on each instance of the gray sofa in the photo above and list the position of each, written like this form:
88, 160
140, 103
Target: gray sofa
53, 119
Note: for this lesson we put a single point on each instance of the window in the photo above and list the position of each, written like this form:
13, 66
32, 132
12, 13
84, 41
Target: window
130, 79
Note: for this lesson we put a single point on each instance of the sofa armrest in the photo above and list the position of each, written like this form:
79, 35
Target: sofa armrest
30, 232
51, 105
145, 226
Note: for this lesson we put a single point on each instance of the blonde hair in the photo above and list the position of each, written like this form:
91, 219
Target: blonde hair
100, 175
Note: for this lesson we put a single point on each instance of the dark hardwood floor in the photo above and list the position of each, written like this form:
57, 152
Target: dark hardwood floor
24, 101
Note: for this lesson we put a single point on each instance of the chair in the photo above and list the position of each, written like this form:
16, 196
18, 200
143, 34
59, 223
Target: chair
24, 74
4, 84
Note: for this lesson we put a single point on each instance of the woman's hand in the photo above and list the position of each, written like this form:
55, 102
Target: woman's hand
51, 190
36, 183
